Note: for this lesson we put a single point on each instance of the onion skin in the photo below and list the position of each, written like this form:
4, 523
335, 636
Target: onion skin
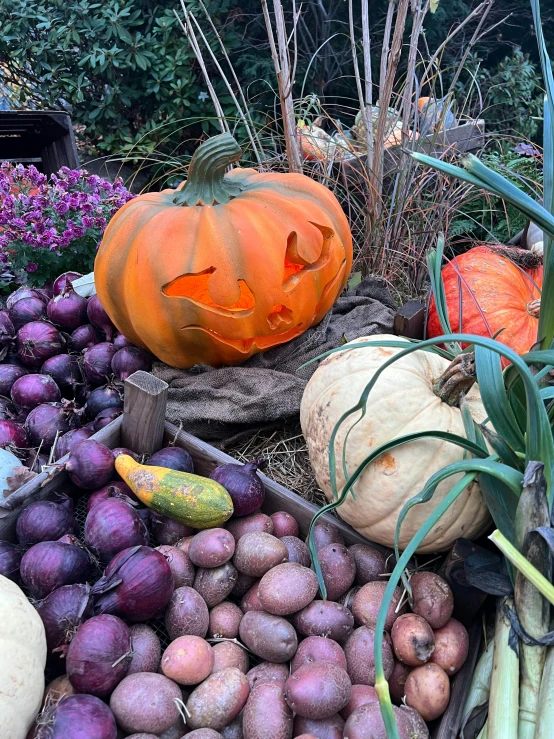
10, 559
174, 458
7, 329
122, 450
64, 369
13, 436
107, 396
62, 612
129, 360
67, 310
48, 420
243, 485
45, 520
136, 585
113, 525
167, 531
121, 341
83, 338
90, 465
38, 341
105, 417
32, 390
36, 462
8, 410
24, 292
70, 439
9, 373
99, 318
76, 717
98, 362
63, 282
113, 487
27, 310
48, 565
99, 655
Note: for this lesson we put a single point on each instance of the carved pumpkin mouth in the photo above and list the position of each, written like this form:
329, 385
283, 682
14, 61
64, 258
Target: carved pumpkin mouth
244, 346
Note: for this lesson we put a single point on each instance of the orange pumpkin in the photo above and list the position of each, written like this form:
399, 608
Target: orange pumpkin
495, 294
228, 265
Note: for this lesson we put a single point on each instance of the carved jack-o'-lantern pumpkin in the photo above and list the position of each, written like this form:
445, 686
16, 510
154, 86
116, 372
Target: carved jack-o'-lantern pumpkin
228, 265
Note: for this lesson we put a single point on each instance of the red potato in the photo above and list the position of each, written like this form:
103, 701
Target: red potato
178, 729
324, 618
216, 583
397, 681
348, 598
361, 694
338, 569
186, 614
284, 524
318, 649
145, 702
59, 688
366, 722
251, 601
146, 648
224, 620
325, 728
229, 654
367, 603
216, 701
318, 690
325, 533
184, 543
371, 563
181, 567
360, 658
420, 729
242, 585
257, 553
270, 637
255, 522
211, 548
203, 734
428, 691
233, 730
142, 735
188, 660
297, 550
451, 646
267, 671
413, 640
266, 713
432, 598
287, 588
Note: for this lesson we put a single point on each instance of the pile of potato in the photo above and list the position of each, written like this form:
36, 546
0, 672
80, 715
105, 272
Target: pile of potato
254, 653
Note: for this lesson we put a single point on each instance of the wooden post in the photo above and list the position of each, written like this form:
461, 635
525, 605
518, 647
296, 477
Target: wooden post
142, 429
409, 320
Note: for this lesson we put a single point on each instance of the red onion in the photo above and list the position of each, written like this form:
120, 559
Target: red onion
76, 717
13, 436
113, 525
12, 357
10, 559
36, 462
243, 485
99, 318
82, 338
32, 390
90, 464
122, 450
108, 491
27, 310
172, 457
70, 439
99, 655
38, 341
62, 612
65, 370
64, 281
9, 373
105, 417
50, 564
7, 329
107, 396
136, 585
23, 292
130, 359
167, 531
47, 290
49, 419
98, 362
119, 341
8, 411
67, 310
45, 520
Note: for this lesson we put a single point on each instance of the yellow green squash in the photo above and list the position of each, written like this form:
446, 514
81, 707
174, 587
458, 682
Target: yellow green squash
189, 499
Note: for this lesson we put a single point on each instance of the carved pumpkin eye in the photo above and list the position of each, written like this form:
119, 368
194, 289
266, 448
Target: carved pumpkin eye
194, 287
296, 265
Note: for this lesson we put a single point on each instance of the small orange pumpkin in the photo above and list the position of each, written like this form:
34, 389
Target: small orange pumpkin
228, 265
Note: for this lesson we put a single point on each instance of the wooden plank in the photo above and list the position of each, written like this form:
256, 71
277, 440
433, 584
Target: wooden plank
409, 320
144, 413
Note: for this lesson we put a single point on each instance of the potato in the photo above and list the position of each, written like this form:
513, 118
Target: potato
432, 598
325, 728
242, 585
284, 524
266, 713
178, 729
180, 565
287, 588
215, 584
367, 723
318, 649
186, 614
145, 701
307, 736
348, 598
224, 620
146, 649
255, 522
60, 687
318, 690
257, 553
324, 618
142, 735
397, 681
325, 533
270, 637
267, 671
360, 695
188, 660
184, 543
419, 727
211, 548
371, 563
297, 550
451, 646
368, 601
338, 569
233, 730
251, 601
360, 658
229, 654
204, 734
428, 691
413, 640
216, 701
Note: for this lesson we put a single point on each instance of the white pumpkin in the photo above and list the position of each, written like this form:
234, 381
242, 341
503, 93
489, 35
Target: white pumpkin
401, 402
22, 661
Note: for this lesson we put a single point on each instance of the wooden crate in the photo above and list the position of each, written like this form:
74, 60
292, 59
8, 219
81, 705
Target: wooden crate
143, 429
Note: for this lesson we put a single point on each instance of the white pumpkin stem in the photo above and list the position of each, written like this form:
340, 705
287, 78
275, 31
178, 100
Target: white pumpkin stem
458, 378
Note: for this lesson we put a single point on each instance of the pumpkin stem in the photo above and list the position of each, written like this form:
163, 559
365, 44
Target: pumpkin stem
206, 183
534, 308
457, 379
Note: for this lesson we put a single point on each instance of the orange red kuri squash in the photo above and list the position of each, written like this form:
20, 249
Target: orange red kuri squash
490, 293
228, 265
